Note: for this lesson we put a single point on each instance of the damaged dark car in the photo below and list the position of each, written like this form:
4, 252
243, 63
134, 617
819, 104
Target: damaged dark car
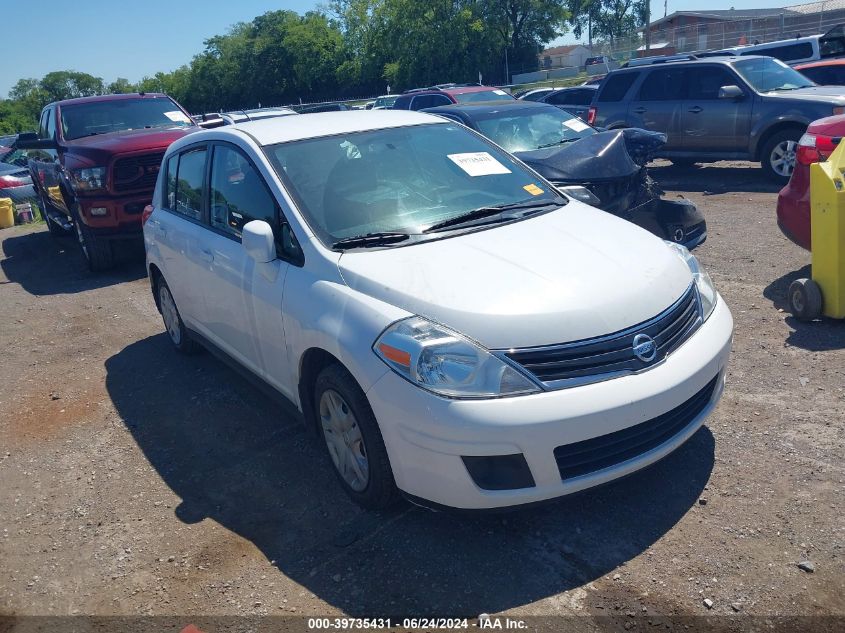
605, 169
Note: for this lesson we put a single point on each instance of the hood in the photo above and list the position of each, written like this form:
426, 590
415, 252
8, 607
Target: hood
563, 276
100, 148
604, 156
822, 94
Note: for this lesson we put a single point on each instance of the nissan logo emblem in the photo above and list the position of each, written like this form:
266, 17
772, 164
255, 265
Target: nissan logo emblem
644, 348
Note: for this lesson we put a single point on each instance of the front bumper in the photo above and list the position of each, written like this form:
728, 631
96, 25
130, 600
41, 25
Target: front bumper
123, 214
426, 436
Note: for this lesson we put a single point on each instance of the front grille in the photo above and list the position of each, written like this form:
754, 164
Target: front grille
136, 172
590, 360
589, 456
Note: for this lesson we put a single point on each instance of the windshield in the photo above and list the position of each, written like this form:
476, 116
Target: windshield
102, 117
533, 129
400, 179
483, 95
766, 74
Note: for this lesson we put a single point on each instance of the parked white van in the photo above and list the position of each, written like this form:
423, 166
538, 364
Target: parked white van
798, 49
451, 325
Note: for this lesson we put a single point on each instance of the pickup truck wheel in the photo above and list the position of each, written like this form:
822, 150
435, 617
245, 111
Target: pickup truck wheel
96, 250
778, 157
173, 323
353, 439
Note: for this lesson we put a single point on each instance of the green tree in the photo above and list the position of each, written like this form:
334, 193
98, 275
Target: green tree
121, 86
69, 84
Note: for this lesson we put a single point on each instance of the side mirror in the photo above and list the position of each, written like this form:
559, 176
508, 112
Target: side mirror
258, 242
30, 140
731, 92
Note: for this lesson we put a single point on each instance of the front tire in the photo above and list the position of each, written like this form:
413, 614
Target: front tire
778, 157
96, 250
173, 324
353, 439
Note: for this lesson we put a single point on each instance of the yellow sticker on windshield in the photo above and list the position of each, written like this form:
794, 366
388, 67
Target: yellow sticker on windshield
533, 189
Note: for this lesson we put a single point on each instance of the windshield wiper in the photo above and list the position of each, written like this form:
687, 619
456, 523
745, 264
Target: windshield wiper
471, 217
370, 239
560, 142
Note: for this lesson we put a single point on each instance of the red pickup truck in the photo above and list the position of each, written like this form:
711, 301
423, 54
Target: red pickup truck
94, 163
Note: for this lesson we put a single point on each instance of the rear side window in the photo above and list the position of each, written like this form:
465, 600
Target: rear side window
826, 75
787, 53
190, 181
402, 103
666, 84
238, 193
572, 97
704, 83
429, 101
616, 86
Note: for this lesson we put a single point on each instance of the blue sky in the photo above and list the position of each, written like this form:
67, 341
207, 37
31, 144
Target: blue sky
112, 39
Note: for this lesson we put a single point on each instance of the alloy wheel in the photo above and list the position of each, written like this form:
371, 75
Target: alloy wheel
782, 158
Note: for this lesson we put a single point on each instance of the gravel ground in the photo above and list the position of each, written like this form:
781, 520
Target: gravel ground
137, 481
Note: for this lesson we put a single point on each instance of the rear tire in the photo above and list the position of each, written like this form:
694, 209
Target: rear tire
97, 251
805, 299
778, 155
173, 324
353, 439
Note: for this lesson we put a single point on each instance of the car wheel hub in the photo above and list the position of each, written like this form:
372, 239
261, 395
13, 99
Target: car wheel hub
344, 440
170, 315
783, 158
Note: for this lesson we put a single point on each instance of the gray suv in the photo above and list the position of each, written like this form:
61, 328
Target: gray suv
721, 108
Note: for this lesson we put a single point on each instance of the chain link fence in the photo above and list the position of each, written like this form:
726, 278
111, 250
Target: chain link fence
693, 31
18, 201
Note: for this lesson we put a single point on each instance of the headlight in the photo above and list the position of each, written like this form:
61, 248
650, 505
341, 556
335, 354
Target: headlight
706, 289
88, 179
580, 193
441, 360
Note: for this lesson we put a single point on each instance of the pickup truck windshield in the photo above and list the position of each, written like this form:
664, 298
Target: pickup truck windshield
766, 75
102, 117
401, 180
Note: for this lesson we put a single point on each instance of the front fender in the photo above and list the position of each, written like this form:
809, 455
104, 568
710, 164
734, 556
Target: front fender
763, 127
331, 316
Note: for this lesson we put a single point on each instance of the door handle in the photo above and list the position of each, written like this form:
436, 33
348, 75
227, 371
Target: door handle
640, 110
206, 256
696, 109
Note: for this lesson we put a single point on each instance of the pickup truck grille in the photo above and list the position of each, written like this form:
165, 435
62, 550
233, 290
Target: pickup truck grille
136, 172
592, 360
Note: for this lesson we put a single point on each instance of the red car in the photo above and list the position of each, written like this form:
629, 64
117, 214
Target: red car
820, 139
830, 72
447, 94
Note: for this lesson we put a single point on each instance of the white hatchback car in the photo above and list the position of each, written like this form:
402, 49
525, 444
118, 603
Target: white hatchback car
450, 325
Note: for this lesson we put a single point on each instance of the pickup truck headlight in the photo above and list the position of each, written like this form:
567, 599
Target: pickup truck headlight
88, 179
442, 361
706, 289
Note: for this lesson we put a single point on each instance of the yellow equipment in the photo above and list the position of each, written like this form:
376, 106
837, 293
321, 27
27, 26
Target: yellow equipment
824, 294
7, 213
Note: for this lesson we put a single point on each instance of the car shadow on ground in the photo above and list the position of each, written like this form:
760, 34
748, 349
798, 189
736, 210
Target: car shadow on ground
235, 456
815, 336
47, 265
712, 179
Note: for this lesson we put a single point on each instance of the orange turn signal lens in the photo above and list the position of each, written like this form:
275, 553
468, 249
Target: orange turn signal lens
394, 354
